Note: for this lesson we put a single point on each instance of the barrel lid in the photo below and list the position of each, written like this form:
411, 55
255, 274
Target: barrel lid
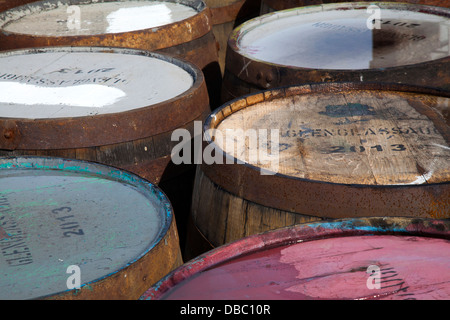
371, 258
60, 82
56, 214
69, 18
338, 36
337, 134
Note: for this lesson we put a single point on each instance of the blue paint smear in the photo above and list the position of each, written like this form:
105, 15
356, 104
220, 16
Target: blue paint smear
350, 225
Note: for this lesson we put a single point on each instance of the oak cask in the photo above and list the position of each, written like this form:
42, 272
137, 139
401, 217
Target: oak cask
321, 151
8, 4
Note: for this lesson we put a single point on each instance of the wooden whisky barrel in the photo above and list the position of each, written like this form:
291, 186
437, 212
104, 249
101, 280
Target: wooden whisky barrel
182, 28
114, 106
322, 151
349, 259
333, 42
226, 15
268, 6
74, 229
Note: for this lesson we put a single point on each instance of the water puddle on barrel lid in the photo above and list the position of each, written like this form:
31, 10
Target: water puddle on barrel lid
86, 95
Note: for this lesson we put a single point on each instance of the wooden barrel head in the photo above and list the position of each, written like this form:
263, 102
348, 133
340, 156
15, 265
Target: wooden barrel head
179, 28
65, 83
349, 137
362, 259
73, 97
56, 214
341, 42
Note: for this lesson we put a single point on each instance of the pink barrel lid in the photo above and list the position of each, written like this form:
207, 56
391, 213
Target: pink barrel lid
372, 258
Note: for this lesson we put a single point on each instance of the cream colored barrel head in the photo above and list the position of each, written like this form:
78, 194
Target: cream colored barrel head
56, 83
94, 18
358, 137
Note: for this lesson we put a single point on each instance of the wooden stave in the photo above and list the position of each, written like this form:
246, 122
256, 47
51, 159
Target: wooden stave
84, 138
226, 15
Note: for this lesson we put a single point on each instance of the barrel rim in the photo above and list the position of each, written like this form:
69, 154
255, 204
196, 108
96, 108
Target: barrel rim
365, 226
192, 103
239, 60
108, 172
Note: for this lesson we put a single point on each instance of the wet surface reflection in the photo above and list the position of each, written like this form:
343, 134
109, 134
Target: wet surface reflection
343, 40
97, 18
88, 95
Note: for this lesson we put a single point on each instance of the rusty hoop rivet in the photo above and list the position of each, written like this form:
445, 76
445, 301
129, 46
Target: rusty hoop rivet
8, 134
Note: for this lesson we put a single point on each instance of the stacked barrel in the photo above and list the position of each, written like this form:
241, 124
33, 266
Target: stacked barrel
136, 136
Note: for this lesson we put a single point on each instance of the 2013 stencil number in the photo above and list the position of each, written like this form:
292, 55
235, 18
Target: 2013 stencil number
379, 148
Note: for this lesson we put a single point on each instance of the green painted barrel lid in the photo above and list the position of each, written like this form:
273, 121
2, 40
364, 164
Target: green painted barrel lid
57, 215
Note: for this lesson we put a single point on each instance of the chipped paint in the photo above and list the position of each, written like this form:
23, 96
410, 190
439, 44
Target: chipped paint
101, 18
76, 84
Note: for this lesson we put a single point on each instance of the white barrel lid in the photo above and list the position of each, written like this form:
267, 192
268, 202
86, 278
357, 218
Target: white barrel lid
76, 82
62, 18
329, 37
56, 214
